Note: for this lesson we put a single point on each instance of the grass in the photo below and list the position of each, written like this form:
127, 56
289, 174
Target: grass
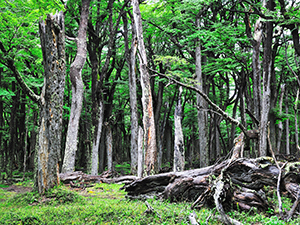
106, 204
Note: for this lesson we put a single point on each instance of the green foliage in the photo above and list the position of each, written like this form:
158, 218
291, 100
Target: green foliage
123, 168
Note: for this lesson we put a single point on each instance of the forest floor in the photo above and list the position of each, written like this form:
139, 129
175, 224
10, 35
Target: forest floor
107, 204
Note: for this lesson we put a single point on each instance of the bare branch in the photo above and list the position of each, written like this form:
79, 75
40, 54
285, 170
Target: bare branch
212, 104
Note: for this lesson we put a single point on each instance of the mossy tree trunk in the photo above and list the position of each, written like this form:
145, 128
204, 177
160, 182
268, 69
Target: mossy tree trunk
52, 33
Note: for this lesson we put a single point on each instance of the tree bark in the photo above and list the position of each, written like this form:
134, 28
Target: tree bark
109, 148
179, 154
148, 115
256, 68
266, 95
96, 140
202, 104
287, 126
13, 130
140, 168
77, 90
52, 33
280, 125
296, 121
131, 57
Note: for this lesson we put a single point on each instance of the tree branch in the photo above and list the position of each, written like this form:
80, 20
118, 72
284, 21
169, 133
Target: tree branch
11, 65
212, 104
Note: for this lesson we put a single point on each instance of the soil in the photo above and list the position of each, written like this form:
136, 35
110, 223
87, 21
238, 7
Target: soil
18, 189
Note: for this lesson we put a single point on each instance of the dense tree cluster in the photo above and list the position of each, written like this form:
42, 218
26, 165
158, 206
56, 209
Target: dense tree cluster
236, 61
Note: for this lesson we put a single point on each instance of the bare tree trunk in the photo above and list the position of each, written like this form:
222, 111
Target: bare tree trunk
148, 115
96, 141
202, 104
52, 33
102, 150
287, 126
13, 131
26, 143
109, 148
168, 143
266, 96
140, 153
77, 91
256, 69
159, 129
179, 158
131, 56
296, 121
280, 125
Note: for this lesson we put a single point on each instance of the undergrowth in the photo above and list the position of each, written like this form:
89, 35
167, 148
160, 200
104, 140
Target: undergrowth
106, 204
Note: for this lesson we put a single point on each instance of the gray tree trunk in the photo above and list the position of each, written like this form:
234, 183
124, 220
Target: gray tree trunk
179, 154
140, 153
77, 91
280, 125
287, 125
131, 56
159, 129
296, 121
202, 104
256, 69
96, 140
148, 115
109, 148
266, 95
169, 142
52, 33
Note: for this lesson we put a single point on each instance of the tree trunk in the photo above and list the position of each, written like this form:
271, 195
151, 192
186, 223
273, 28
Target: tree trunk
77, 90
96, 141
26, 143
287, 126
169, 142
33, 139
131, 56
202, 115
266, 96
256, 69
140, 153
52, 33
12, 131
179, 154
148, 116
280, 125
296, 121
109, 148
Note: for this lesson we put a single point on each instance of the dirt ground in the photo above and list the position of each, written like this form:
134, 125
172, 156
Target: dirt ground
18, 189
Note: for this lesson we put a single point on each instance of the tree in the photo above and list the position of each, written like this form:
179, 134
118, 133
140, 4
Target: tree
77, 90
52, 33
148, 115
179, 151
131, 58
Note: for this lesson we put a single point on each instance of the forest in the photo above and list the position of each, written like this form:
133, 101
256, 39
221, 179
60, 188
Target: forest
190, 99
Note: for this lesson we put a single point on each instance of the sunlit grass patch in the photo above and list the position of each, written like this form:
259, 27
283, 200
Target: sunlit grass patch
103, 190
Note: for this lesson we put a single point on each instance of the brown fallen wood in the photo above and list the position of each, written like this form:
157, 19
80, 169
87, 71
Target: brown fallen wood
243, 185
106, 177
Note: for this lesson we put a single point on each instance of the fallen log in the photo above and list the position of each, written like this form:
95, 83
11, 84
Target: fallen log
106, 177
233, 184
